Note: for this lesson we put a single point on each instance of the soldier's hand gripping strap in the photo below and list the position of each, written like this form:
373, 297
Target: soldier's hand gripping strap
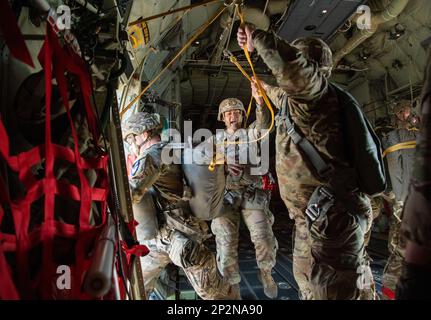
320, 202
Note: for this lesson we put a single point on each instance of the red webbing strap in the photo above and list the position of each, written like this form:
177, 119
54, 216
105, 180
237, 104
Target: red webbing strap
138, 250
47, 231
7, 287
53, 57
66, 61
388, 293
12, 34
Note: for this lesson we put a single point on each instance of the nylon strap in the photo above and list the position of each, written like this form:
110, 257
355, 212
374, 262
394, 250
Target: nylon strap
322, 168
57, 59
400, 146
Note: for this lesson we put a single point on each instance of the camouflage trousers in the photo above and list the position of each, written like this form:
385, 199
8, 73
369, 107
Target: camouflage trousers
329, 259
376, 208
396, 246
253, 206
183, 247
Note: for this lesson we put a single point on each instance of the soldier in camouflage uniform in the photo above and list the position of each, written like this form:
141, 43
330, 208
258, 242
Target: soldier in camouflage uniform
400, 164
180, 236
415, 280
243, 196
329, 253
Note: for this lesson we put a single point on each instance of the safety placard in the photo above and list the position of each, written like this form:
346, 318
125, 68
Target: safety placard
139, 34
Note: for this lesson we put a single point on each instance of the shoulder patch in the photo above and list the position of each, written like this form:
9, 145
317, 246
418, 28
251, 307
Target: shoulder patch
135, 167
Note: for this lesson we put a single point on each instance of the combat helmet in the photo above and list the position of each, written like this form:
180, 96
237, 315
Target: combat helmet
316, 50
228, 105
141, 122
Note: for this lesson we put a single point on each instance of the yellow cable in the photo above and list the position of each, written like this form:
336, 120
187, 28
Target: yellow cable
211, 167
400, 146
236, 63
259, 86
151, 49
179, 53
247, 115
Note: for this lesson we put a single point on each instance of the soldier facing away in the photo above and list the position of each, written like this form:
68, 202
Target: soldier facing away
329, 251
244, 196
415, 280
400, 164
180, 235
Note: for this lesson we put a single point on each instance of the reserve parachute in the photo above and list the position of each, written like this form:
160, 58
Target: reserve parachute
207, 187
362, 145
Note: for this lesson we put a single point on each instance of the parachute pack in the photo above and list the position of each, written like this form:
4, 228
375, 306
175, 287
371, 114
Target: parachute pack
363, 148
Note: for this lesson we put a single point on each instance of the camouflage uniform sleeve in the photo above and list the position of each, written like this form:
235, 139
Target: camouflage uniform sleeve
300, 78
263, 116
144, 174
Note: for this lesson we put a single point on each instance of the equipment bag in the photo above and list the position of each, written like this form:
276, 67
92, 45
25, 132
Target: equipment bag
363, 148
207, 187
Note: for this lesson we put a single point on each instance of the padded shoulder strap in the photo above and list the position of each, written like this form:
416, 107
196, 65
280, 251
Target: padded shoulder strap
322, 168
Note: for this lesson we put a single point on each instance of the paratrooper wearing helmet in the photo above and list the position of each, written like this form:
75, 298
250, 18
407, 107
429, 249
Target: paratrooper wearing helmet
179, 238
323, 268
244, 197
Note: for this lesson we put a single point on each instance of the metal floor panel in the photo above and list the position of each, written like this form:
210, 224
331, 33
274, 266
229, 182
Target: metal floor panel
251, 288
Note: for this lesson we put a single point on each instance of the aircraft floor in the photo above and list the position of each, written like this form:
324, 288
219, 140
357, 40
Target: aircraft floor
251, 288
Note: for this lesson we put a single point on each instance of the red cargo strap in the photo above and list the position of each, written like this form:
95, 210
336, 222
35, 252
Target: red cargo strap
138, 250
61, 60
7, 287
388, 293
12, 34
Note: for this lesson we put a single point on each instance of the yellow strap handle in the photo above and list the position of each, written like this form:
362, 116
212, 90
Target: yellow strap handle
400, 146
259, 86
247, 115
179, 53
234, 60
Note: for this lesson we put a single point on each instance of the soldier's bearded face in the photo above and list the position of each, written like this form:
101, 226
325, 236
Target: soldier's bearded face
233, 120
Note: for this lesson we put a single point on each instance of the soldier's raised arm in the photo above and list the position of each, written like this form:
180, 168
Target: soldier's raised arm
298, 75
263, 115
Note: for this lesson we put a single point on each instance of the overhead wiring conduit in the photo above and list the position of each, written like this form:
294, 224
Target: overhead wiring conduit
392, 11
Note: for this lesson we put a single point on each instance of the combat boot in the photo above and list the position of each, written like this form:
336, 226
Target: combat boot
269, 286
